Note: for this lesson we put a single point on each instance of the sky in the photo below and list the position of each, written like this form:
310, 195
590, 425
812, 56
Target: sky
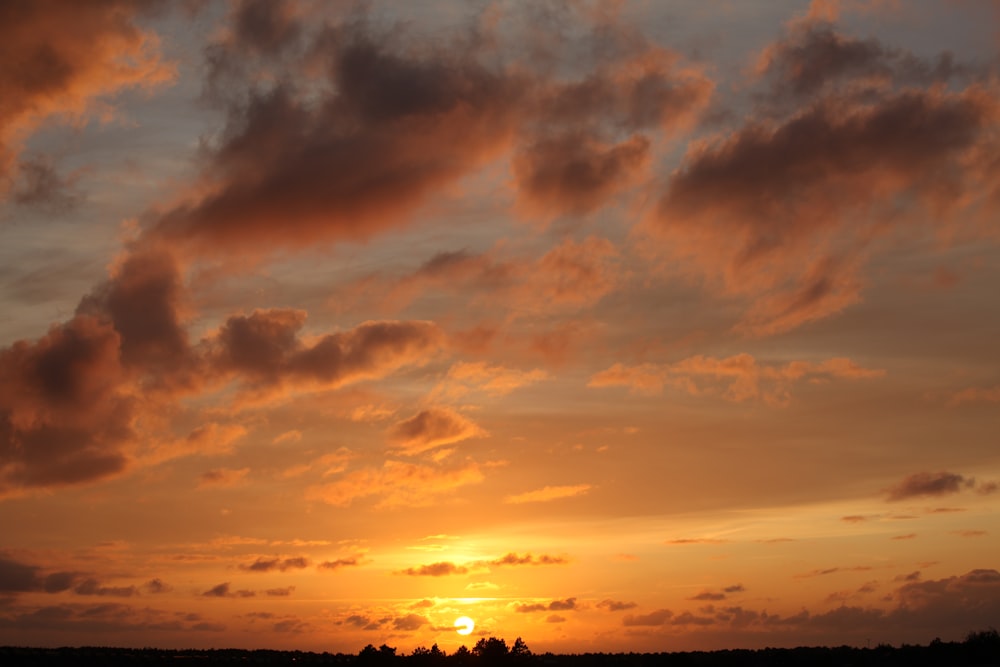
615, 326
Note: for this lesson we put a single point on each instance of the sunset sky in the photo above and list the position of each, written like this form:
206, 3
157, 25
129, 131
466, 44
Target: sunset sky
616, 326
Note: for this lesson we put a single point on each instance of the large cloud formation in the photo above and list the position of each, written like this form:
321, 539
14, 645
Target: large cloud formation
70, 401
852, 138
61, 58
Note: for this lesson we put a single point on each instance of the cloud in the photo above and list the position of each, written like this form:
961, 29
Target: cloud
923, 484
441, 569
281, 564
708, 595
409, 623
591, 140
338, 563
465, 376
222, 591
784, 210
813, 57
514, 558
432, 428
576, 172
658, 617
94, 587
211, 439
64, 61
300, 164
18, 577
547, 494
65, 414
397, 483
223, 477
568, 277
40, 186
265, 352
555, 605
615, 605
976, 395
280, 592
156, 586
108, 619
737, 378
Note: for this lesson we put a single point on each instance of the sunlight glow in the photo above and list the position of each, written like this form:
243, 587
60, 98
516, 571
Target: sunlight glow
464, 625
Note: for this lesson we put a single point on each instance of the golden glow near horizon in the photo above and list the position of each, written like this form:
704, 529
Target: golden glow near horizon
613, 326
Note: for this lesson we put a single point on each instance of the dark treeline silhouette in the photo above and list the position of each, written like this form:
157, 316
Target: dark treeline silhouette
979, 649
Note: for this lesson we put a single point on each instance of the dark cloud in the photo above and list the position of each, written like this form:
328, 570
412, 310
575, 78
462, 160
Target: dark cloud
528, 559
789, 204
431, 428
280, 592
944, 607
59, 57
281, 564
615, 605
658, 617
338, 563
932, 484
265, 350
555, 605
39, 185
94, 587
576, 173
114, 619
222, 591
813, 56
440, 569
708, 595
155, 586
409, 623
142, 300
18, 577
269, 26
294, 168
64, 417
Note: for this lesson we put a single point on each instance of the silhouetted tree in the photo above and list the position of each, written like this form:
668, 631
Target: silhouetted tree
491, 651
461, 656
428, 657
520, 650
383, 656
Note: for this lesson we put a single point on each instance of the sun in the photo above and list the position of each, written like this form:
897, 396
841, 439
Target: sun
465, 625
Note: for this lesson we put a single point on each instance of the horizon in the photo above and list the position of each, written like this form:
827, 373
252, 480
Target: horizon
642, 326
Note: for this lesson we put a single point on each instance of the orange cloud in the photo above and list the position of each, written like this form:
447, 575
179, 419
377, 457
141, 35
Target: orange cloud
62, 59
927, 484
397, 484
223, 477
294, 169
547, 494
264, 350
435, 570
976, 395
432, 428
463, 377
790, 203
737, 378
576, 173
66, 410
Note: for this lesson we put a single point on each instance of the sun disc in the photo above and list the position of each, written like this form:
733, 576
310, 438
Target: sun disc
464, 625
